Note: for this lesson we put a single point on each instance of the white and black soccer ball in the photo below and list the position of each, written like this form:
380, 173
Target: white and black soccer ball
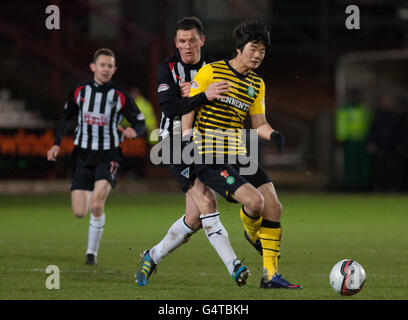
347, 277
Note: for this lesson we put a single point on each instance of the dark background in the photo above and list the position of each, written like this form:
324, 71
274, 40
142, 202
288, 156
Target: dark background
309, 71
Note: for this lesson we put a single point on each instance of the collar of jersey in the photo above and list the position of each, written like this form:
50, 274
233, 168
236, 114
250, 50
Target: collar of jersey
239, 75
102, 87
190, 66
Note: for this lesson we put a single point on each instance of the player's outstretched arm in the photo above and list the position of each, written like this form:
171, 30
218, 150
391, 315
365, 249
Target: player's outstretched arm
52, 154
266, 132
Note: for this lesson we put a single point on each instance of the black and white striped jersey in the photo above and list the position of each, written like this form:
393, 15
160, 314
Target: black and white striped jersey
98, 110
170, 73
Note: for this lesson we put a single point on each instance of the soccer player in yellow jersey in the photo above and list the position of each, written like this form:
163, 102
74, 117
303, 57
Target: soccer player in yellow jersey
174, 76
218, 127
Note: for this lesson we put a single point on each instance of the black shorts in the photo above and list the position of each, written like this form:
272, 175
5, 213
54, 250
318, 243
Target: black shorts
93, 165
225, 179
184, 173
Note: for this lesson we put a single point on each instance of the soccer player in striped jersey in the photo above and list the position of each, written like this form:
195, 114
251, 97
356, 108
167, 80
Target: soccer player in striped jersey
261, 209
174, 76
98, 106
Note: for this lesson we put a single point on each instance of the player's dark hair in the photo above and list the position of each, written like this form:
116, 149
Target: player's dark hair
189, 23
248, 31
103, 52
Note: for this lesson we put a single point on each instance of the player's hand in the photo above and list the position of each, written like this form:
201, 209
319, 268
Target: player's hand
278, 139
216, 90
185, 89
129, 132
52, 154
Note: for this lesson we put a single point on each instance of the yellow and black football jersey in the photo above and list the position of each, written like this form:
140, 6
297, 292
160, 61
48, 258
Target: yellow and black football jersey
218, 125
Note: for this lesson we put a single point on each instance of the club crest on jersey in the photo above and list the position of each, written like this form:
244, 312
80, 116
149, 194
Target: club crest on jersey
186, 172
113, 103
194, 84
230, 180
251, 91
163, 87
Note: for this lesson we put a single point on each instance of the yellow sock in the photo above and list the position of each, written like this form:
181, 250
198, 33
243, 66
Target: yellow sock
270, 240
251, 225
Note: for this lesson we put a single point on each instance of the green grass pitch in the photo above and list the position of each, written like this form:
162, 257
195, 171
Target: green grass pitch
318, 231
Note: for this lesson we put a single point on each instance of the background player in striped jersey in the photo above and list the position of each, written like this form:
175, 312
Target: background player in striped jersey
98, 106
174, 76
261, 209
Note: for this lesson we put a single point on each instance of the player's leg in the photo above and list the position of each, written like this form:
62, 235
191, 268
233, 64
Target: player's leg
270, 234
97, 219
270, 230
81, 202
106, 175
251, 211
205, 198
179, 233
228, 183
82, 183
82, 186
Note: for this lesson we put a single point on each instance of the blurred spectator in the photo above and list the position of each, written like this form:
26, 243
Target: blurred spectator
150, 118
383, 142
138, 166
352, 127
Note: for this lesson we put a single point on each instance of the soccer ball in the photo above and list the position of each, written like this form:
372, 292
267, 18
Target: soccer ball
347, 277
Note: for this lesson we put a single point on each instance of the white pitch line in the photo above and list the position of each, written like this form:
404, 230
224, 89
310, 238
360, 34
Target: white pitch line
64, 271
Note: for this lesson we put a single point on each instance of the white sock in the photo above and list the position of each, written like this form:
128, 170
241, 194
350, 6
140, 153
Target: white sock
178, 234
218, 237
96, 225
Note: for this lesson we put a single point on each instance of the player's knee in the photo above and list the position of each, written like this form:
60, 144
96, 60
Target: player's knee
210, 203
79, 209
97, 208
273, 211
277, 210
255, 204
80, 213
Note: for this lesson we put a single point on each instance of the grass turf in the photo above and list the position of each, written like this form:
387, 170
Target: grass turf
318, 231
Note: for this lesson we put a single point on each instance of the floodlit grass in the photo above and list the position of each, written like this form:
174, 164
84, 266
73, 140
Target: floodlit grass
318, 231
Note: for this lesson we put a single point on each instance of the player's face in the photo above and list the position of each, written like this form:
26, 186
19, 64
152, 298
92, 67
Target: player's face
103, 69
189, 44
252, 55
